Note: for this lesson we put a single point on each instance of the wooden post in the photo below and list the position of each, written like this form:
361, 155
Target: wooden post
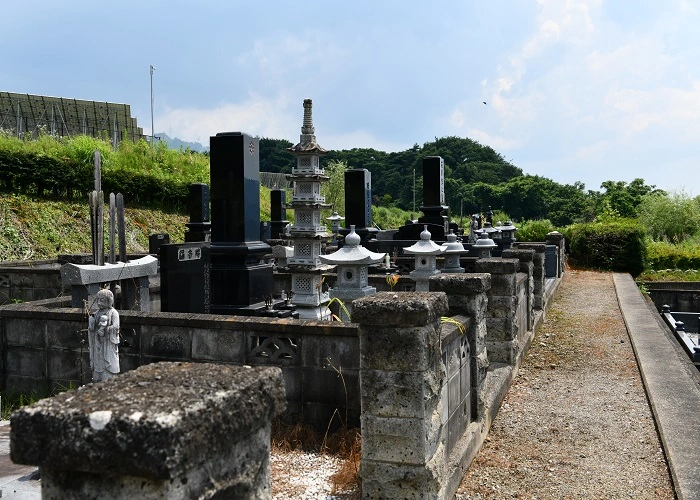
98, 171
120, 227
112, 228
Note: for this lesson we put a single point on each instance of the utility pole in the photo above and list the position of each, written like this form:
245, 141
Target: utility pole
152, 130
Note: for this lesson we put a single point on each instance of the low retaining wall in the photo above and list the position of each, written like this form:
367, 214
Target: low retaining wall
45, 350
679, 296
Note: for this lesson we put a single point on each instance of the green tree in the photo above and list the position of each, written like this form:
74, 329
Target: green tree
334, 189
670, 217
623, 198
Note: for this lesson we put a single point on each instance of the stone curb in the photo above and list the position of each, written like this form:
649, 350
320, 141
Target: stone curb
672, 384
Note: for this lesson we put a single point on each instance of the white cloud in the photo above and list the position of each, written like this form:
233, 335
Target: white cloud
256, 116
495, 141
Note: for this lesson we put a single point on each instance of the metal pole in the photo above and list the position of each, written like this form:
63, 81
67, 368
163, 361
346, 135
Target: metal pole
414, 190
152, 130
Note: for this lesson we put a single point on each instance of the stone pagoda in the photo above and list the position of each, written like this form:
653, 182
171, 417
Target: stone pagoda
308, 231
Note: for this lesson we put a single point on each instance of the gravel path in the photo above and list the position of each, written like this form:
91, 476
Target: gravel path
576, 422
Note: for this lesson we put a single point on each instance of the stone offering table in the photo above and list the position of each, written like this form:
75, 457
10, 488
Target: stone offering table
165, 430
86, 280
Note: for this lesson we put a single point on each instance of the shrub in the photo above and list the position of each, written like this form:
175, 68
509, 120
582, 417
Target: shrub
673, 217
533, 230
615, 246
664, 255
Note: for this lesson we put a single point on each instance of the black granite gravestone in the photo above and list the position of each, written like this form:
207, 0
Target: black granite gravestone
156, 240
184, 277
238, 277
278, 212
199, 227
436, 215
358, 204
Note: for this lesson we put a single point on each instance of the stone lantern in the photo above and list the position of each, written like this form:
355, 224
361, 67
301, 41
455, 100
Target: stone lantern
507, 235
352, 261
426, 252
335, 221
484, 245
453, 251
492, 232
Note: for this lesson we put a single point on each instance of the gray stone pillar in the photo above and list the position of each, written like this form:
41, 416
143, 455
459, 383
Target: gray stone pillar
538, 272
502, 321
557, 239
526, 266
165, 430
467, 294
401, 378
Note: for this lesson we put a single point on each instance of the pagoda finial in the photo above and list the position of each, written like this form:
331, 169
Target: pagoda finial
308, 126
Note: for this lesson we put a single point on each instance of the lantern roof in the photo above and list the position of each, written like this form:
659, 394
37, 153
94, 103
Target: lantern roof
352, 253
453, 246
424, 246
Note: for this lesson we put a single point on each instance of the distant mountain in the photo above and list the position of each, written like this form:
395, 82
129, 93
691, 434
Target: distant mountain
175, 143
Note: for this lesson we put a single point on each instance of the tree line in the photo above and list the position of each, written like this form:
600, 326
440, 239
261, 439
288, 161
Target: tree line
476, 178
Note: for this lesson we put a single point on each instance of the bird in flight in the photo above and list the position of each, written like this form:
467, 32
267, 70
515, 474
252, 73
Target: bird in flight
484, 102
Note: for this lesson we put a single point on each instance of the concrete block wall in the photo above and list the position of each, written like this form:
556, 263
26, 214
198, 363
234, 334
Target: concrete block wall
527, 267
167, 430
557, 239
467, 295
25, 283
45, 350
538, 272
506, 318
401, 380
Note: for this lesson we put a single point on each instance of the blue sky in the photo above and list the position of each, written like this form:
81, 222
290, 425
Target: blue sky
575, 90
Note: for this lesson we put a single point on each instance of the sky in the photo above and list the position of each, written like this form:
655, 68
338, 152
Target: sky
571, 90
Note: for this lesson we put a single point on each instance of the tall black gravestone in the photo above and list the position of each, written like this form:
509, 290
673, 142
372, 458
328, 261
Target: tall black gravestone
358, 204
199, 226
436, 215
278, 212
238, 278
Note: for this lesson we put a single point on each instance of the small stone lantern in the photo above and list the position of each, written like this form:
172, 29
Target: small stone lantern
453, 251
507, 235
426, 252
335, 221
484, 245
492, 232
352, 261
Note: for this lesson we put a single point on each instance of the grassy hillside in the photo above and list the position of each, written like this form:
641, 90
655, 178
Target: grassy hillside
32, 228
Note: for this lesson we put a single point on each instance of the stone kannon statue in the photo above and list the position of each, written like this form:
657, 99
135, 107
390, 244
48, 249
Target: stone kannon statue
103, 337
473, 227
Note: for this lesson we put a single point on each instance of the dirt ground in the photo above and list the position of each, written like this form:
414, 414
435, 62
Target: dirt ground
576, 422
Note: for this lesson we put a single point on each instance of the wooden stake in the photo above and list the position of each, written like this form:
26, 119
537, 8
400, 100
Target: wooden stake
112, 228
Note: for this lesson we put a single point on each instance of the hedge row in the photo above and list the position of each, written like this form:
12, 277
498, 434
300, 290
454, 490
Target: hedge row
662, 256
46, 176
613, 246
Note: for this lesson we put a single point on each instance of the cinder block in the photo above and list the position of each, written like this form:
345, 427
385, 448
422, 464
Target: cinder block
399, 440
173, 343
399, 394
218, 345
398, 349
25, 332
342, 351
26, 361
